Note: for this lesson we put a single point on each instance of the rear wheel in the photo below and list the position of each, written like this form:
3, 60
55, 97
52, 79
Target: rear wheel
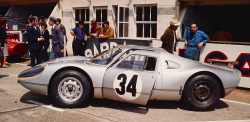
202, 92
70, 89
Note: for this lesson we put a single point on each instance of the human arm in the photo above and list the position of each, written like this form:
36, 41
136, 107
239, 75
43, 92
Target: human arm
73, 34
186, 43
108, 35
85, 37
98, 30
63, 29
33, 35
204, 40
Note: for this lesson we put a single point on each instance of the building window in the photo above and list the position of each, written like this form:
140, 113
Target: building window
146, 21
83, 14
101, 15
123, 21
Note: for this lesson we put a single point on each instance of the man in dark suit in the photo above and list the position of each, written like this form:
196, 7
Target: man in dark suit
57, 40
33, 37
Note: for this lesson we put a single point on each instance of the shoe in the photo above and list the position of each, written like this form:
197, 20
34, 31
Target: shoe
5, 66
8, 64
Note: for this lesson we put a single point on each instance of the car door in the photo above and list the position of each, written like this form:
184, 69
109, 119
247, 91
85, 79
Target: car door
131, 80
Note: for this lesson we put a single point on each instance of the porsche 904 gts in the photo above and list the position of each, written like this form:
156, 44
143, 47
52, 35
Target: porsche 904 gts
132, 74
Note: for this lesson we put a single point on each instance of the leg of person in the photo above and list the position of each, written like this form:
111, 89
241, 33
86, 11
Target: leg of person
186, 54
81, 49
5, 52
57, 51
66, 46
32, 56
77, 47
52, 54
85, 45
1, 60
4, 62
195, 55
39, 56
45, 53
74, 47
64, 52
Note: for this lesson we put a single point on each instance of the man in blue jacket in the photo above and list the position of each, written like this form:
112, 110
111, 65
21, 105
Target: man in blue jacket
57, 40
80, 39
195, 40
33, 36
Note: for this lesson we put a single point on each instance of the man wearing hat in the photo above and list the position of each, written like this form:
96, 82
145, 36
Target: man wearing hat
195, 40
57, 40
169, 37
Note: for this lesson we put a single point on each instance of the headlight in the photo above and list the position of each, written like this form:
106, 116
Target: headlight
31, 72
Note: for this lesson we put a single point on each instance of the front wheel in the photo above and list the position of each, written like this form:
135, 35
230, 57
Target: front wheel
201, 92
70, 89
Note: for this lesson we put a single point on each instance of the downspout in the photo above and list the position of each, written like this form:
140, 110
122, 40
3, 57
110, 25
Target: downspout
91, 13
60, 9
180, 13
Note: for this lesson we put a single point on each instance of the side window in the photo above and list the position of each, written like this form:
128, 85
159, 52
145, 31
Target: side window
133, 62
150, 65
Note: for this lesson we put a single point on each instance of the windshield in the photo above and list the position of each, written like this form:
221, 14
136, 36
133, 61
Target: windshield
106, 57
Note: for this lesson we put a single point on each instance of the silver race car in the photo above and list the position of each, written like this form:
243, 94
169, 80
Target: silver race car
132, 74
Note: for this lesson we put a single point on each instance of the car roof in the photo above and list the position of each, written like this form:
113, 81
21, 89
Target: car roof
136, 47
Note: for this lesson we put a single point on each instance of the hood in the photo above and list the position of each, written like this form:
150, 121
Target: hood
66, 59
71, 58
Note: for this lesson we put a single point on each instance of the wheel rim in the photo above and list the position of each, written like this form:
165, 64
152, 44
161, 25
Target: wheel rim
203, 92
70, 89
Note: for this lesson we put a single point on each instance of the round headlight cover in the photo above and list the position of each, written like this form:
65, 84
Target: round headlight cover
31, 72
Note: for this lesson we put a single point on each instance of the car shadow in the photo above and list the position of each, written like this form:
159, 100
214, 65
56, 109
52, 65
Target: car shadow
2, 76
134, 108
220, 105
34, 98
17, 59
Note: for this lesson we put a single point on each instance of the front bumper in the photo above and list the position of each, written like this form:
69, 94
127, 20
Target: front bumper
38, 88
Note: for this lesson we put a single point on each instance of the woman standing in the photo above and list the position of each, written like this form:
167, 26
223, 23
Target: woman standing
45, 43
3, 43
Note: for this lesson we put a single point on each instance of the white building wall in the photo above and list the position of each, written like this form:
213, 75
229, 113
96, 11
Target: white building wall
166, 9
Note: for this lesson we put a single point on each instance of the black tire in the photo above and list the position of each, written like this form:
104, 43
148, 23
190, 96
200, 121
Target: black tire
70, 89
201, 93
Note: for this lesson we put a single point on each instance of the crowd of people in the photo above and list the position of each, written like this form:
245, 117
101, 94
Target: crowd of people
38, 39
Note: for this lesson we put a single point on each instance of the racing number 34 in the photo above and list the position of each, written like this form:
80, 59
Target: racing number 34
131, 85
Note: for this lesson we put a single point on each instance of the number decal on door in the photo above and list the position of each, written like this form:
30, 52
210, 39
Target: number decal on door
128, 85
121, 91
131, 86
